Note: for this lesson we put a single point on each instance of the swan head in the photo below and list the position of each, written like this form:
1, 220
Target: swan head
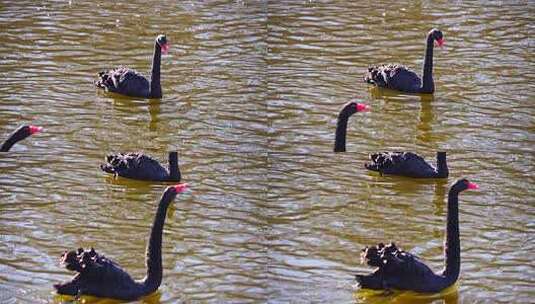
464, 184
177, 188
161, 40
353, 107
171, 192
24, 131
437, 36
34, 129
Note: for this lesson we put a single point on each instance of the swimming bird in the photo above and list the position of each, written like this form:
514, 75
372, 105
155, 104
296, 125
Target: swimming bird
398, 269
129, 82
19, 134
101, 277
398, 77
136, 165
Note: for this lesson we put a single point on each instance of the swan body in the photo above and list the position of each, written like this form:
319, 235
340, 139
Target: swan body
101, 277
129, 82
394, 265
408, 164
136, 165
398, 77
124, 81
19, 134
113, 282
394, 76
397, 269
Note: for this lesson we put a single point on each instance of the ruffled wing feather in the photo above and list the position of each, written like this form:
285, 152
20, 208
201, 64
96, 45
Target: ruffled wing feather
395, 77
124, 81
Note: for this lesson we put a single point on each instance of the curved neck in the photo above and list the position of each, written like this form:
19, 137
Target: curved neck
452, 247
174, 170
341, 132
155, 87
10, 141
428, 85
442, 165
8, 144
154, 248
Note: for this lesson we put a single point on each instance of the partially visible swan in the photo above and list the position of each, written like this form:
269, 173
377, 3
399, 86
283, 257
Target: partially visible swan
19, 134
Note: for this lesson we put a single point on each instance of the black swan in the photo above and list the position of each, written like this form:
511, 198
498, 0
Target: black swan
19, 134
142, 167
398, 77
408, 164
401, 270
394, 163
348, 109
128, 82
101, 277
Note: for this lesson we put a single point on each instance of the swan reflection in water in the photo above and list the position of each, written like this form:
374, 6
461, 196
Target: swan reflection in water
449, 295
153, 298
426, 116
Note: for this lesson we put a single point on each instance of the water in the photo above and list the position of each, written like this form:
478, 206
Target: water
251, 94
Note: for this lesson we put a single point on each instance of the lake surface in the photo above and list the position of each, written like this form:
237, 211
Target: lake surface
251, 95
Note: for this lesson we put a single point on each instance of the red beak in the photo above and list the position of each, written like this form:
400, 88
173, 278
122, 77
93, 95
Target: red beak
35, 129
180, 187
362, 107
440, 42
473, 186
165, 48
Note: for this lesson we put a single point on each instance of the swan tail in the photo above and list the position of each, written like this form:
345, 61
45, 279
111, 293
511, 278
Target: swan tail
372, 167
71, 288
108, 168
115, 163
374, 75
371, 281
105, 81
111, 80
379, 161
388, 162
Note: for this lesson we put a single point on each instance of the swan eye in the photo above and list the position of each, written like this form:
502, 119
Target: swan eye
161, 39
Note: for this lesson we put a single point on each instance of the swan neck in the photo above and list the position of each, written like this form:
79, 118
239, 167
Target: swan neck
428, 85
442, 166
341, 133
452, 247
155, 87
11, 140
174, 170
154, 248
6, 146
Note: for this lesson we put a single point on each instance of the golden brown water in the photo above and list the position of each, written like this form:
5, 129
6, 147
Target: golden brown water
251, 94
